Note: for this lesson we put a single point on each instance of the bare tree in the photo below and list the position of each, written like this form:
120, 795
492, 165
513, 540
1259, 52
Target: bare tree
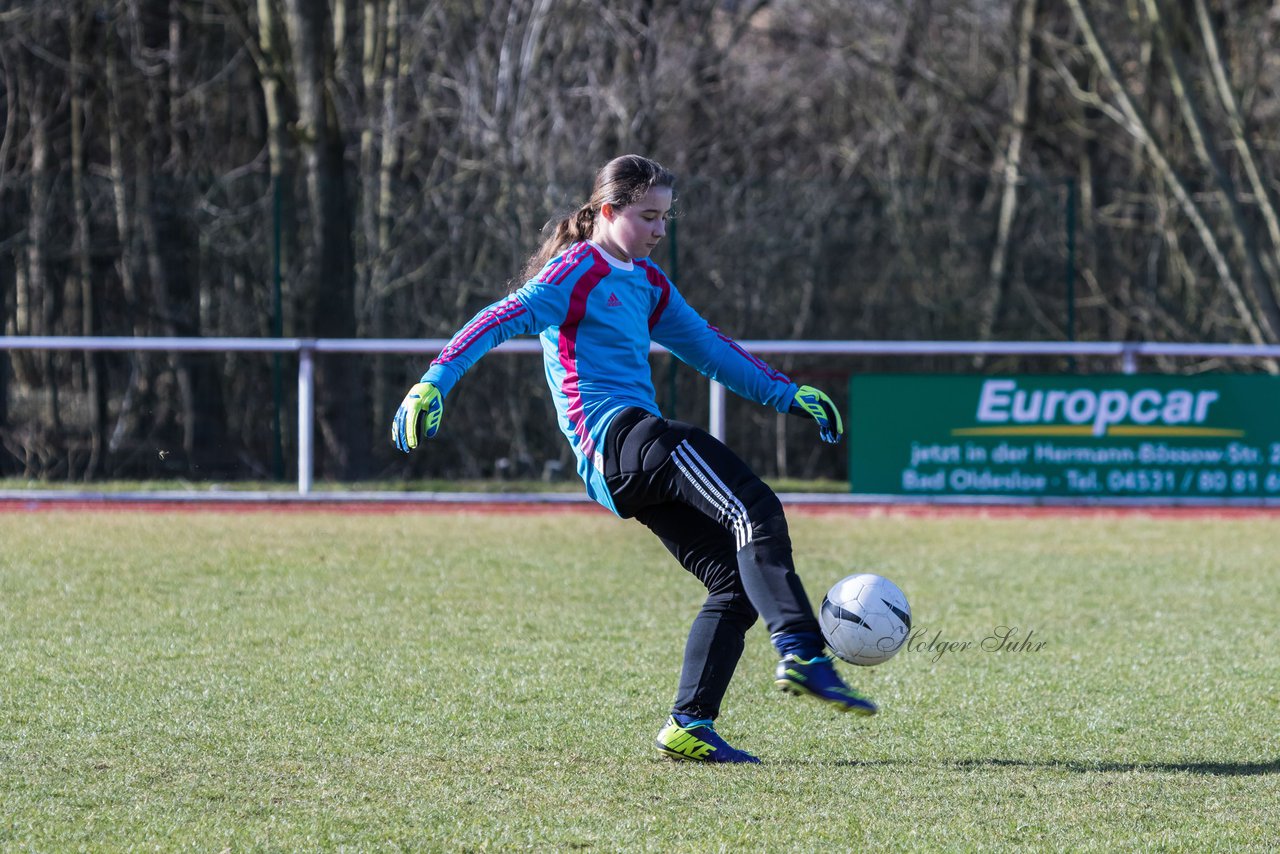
1196, 123
270, 51
328, 292
43, 297
1262, 192
1011, 170
82, 275
847, 169
1136, 123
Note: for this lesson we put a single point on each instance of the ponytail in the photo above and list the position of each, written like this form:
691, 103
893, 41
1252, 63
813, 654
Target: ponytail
621, 182
568, 230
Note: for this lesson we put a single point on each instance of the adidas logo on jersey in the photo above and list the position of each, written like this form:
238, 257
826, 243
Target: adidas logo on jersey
613, 302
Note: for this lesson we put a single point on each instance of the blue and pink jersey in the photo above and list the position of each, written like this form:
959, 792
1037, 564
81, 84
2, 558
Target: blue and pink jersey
596, 316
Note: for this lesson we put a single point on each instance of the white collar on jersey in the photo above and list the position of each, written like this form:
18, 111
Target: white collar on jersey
613, 262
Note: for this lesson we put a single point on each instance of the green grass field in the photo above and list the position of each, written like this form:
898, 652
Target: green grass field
306, 681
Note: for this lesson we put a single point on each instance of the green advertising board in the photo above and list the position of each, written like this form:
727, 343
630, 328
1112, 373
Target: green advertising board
1201, 437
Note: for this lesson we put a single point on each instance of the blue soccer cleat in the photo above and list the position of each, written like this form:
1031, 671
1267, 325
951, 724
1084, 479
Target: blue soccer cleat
817, 677
697, 741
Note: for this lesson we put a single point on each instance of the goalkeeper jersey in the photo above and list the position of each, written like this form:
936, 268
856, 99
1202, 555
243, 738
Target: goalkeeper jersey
596, 317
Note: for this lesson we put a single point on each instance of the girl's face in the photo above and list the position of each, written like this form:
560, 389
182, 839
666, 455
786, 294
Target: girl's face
634, 231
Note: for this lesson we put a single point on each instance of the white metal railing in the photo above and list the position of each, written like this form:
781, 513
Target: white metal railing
1127, 352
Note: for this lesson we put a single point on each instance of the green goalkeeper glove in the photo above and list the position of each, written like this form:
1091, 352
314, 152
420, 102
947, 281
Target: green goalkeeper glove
419, 414
818, 406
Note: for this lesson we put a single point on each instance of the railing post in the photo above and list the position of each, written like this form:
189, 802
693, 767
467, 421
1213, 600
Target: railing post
1129, 359
306, 414
716, 415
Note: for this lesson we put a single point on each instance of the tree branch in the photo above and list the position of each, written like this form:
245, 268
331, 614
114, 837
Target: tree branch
1137, 124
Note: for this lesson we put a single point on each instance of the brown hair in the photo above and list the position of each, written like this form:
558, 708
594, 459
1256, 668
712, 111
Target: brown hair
620, 182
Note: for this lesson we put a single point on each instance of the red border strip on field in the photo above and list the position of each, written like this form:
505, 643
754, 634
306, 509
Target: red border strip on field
371, 508
1037, 511
806, 504
340, 507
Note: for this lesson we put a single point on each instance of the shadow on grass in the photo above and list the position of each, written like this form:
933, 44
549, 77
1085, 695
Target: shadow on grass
1208, 769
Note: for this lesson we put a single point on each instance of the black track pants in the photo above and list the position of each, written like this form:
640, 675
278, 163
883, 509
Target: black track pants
724, 525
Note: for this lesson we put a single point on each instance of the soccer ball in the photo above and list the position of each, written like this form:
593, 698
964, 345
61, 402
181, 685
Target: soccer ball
865, 619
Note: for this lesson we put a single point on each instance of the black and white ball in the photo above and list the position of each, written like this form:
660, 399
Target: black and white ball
865, 619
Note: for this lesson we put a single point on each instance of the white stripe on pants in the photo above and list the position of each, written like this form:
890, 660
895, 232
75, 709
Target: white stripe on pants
711, 488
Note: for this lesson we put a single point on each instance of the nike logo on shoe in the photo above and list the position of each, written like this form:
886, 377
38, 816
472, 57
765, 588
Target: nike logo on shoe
686, 744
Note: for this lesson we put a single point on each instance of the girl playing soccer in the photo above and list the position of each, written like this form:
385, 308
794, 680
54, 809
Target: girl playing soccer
597, 301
